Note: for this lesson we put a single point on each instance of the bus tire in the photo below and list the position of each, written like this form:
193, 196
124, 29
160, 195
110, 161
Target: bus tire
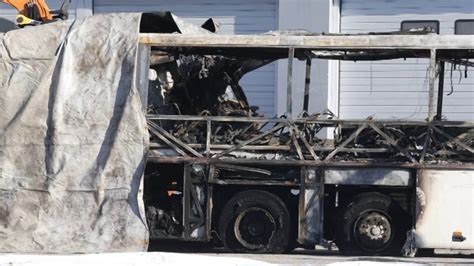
255, 221
372, 224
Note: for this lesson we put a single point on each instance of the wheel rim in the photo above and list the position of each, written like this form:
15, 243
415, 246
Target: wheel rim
254, 228
373, 230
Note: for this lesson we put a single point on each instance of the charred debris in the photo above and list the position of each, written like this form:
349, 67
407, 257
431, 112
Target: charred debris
197, 107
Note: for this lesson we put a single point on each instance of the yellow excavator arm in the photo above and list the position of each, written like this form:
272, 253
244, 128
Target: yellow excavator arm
33, 12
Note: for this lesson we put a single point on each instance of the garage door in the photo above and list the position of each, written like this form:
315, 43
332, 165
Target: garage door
399, 88
235, 17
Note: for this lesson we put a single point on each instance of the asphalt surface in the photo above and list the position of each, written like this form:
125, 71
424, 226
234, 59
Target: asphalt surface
318, 257
323, 258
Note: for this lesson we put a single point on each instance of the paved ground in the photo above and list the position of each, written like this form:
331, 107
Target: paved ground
212, 258
323, 257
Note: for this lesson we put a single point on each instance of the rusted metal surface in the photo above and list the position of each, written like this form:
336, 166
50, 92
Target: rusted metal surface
367, 140
433, 69
158, 158
307, 84
164, 133
255, 183
427, 42
369, 176
439, 105
345, 142
289, 82
195, 197
167, 141
310, 120
238, 168
426, 143
393, 142
457, 140
251, 140
311, 215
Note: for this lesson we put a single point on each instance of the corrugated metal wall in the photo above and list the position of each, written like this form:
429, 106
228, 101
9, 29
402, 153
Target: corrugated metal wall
235, 17
399, 88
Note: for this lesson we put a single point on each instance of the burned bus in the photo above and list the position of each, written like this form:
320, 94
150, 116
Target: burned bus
218, 170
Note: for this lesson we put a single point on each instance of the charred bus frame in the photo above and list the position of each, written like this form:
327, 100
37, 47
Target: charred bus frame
389, 163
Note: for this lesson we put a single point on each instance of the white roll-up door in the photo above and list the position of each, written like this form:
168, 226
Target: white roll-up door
235, 17
399, 88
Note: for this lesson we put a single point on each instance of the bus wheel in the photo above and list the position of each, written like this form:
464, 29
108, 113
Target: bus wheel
372, 224
255, 221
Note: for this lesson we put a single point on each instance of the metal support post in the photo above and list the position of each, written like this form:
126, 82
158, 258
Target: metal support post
289, 103
432, 79
208, 138
307, 84
439, 110
143, 71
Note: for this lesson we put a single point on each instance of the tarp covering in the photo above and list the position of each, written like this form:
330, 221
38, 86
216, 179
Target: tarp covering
73, 138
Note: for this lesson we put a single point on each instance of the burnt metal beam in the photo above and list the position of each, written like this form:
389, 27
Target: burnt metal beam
244, 143
254, 182
142, 75
187, 202
177, 141
457, 141
289, 82
295, 143
208, 138
393, 143
209, 210
439, 106
426, 144
365, 163
310, 120
286, 148
347, 141
314, 42
305, 142
307, 84
301, 205
167, 141
431, 84
233, 167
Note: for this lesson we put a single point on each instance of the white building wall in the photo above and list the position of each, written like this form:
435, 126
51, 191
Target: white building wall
313, 16
399, 88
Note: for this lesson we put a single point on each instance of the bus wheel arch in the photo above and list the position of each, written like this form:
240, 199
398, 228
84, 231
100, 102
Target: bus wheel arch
255, 221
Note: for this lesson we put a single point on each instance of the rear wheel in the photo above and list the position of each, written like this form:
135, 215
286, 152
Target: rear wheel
255, 221
372, 225
372, 230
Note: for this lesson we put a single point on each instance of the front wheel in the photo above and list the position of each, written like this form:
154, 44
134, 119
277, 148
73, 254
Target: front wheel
372, 225
255, 221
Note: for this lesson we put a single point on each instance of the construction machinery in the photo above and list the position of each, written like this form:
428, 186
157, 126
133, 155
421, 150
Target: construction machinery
36, 12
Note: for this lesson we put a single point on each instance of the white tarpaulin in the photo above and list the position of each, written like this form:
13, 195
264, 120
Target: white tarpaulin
73, 138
